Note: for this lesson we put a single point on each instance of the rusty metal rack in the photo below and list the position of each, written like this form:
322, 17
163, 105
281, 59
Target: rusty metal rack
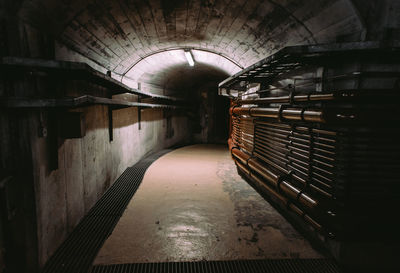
327, 152
295, 57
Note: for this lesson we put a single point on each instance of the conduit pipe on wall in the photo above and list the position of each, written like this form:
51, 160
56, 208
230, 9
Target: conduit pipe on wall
275, 179
342, 95
299, 114
325, 150
253, 169
298, 128
287, 99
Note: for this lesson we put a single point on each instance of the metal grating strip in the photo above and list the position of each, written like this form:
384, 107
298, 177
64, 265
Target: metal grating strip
243, 266
79, 250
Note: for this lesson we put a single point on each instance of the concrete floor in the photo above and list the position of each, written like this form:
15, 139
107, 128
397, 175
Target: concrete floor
191, 206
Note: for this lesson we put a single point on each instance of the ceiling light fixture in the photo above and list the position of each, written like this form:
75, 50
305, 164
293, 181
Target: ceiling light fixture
189, 57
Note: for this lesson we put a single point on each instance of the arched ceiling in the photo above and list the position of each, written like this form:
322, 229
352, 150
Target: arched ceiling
159, 67
120, 33
180, 78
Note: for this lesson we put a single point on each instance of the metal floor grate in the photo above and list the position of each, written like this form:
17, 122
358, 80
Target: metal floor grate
253, 266
79, 250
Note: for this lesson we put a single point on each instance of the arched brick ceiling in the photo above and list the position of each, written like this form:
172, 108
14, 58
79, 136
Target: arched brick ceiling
119, 33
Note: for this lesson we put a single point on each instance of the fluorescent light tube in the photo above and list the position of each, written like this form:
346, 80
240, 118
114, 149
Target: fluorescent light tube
189, 57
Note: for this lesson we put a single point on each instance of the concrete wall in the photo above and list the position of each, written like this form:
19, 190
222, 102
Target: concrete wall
17, 202
88, 166
45, 201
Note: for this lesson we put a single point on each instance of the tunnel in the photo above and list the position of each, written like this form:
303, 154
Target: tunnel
199, 136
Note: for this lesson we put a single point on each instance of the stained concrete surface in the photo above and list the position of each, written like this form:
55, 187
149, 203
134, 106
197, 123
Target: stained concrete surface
191, 206
87, 166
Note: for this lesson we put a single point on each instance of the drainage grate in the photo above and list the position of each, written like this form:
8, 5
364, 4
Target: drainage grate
251, 266
79, 250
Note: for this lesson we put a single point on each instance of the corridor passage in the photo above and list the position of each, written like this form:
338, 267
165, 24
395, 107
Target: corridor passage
193, 206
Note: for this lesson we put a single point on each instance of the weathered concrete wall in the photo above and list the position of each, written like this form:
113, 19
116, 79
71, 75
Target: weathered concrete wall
17, 209
48, 201
17, 201
380, 18
88, 166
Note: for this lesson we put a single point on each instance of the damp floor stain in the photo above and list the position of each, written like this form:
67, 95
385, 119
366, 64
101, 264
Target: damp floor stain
192, 206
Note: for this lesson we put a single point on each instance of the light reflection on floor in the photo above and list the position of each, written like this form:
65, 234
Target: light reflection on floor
191, 206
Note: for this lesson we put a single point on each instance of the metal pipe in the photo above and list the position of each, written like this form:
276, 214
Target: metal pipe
283, 200
287, 99
288, 132
275, 179
278, 113
287, 168
302, 147
342, 95
296, 128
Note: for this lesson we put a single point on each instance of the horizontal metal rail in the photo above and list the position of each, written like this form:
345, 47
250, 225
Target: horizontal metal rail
77, 70
278, 113
76, 102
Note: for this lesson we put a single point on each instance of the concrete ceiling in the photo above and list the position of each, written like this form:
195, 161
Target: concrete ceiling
120, 34
170, 69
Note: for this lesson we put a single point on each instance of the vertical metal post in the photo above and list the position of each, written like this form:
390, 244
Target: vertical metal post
139, 108
52, 140
320, 75
110, 123
139, 115
110, 116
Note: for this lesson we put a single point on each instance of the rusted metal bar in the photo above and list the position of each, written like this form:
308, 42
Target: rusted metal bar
342, 95
284, 186
279, 113
287, 99
296, 128
275, 179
